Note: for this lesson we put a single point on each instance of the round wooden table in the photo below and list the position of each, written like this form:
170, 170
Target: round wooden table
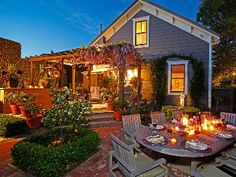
178, 150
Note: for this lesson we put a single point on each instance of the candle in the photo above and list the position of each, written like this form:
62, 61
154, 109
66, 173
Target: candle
173, 141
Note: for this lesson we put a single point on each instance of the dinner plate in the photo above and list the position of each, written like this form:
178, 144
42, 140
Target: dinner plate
155, 139
231, 127
224, 135
196, 145
158, 127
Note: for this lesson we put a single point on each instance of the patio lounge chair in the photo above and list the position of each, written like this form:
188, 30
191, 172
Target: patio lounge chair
131, 125
208, 170
158, 117
95, 93
131, 164
229, 118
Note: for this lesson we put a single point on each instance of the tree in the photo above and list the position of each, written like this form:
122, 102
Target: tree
220, 16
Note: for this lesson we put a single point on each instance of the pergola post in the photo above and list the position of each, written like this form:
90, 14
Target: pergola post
62, 73
122, 73
31, 72
139, 85
89, 77
73, 78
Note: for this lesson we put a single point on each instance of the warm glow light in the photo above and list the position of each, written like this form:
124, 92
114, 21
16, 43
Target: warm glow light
185, 121
191, 132
176, 129
173, 141
211, 128
30, 86
132, 73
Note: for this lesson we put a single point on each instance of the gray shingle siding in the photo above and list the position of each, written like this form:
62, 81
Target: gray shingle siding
166, 39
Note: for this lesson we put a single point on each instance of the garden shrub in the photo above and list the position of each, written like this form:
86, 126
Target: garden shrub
10, 125
37, 154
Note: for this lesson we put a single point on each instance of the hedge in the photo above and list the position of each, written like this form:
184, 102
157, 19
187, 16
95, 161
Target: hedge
10, 125
34, 153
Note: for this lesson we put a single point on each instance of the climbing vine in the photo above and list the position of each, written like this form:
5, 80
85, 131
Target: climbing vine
159, 79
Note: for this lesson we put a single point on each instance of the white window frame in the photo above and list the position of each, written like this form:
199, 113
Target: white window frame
134, 31
178, 62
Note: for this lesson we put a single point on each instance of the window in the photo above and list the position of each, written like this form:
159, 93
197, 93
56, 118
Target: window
177, 77
141, 32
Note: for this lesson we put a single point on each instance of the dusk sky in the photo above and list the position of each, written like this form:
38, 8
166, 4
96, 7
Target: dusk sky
44, 25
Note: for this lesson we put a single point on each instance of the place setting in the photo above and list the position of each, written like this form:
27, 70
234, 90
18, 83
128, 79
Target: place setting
195, 145
155, 140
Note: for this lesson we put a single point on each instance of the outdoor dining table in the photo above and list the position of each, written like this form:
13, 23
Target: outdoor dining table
178, 150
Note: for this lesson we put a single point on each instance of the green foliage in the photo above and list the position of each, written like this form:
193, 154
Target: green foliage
32, 108
168, 110
66, 110
10, 126
12, 98
35, 153
159, 80
119, 105
25, 98
197, 87
191, 110
220, 16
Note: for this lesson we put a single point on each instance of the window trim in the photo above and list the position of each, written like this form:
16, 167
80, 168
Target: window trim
135, 20
178, 62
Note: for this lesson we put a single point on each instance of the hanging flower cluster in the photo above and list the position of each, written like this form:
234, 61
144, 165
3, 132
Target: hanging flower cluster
121, 54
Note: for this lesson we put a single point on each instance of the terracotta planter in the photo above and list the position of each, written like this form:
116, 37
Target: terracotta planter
24, 112
118, 115
15, 109
34, 122
109, 106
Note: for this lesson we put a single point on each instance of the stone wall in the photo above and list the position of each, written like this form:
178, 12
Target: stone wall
10, 51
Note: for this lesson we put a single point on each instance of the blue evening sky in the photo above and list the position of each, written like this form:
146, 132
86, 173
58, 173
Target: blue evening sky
44, 25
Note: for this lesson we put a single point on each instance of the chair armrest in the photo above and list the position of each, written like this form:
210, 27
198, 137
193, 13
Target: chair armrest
148, 167
126, 133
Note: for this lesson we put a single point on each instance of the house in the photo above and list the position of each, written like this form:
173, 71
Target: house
155, 32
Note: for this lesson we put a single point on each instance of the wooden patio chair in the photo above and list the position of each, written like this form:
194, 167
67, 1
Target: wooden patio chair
208, 170
227, 160
229, 118
176, 114
122, 157
131, 125
158, 117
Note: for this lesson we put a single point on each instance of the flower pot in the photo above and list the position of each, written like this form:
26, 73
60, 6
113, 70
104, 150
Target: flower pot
109, 106
34, 122
24, 112
118, 115
15, 109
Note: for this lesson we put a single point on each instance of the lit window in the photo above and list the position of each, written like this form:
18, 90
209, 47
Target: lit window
177, 78
141, 33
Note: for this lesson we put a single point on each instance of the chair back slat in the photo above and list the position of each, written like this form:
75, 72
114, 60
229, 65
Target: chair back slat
229, 118
158, 117
124, 153
131, 123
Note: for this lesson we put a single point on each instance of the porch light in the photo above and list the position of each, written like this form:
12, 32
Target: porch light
132, 73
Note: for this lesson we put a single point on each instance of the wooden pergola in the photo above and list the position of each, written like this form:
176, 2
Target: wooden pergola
120, 56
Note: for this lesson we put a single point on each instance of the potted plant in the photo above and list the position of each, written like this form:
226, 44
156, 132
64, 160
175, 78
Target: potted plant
13, 100
118, 107
23, 99
31, 112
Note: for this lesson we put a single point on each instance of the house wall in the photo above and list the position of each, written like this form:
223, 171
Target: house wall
10, 51
166, 39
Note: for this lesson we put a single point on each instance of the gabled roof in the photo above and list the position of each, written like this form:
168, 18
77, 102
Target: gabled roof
156, 10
